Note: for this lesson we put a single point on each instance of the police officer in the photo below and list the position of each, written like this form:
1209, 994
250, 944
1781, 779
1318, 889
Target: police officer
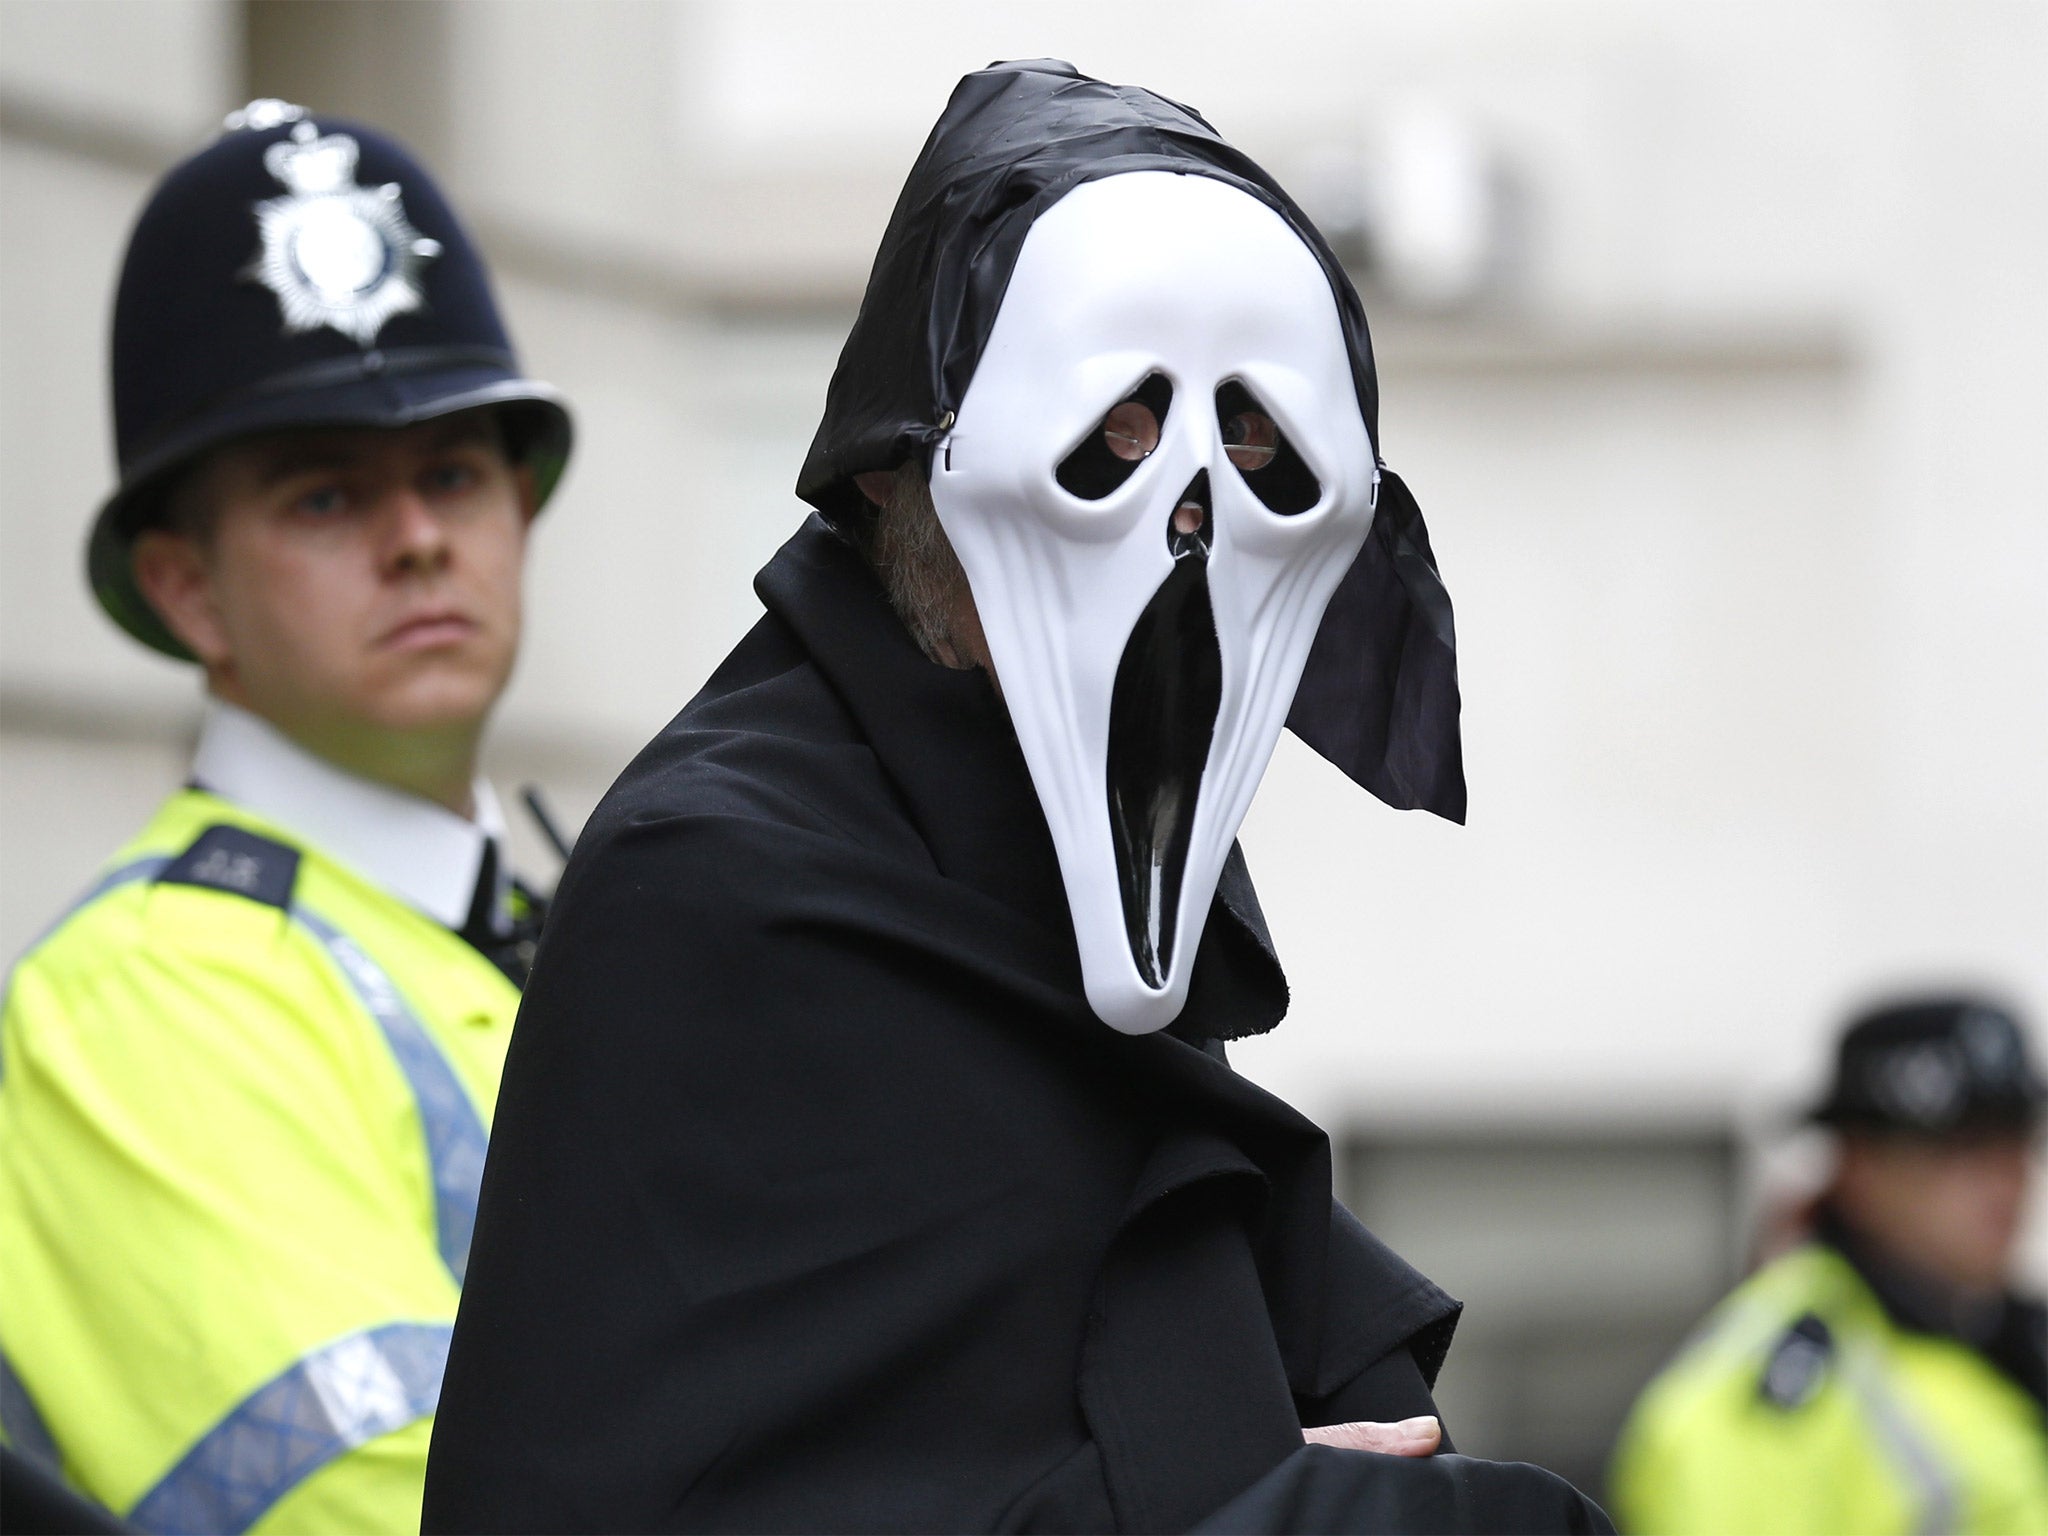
1880, 1377
248, 1075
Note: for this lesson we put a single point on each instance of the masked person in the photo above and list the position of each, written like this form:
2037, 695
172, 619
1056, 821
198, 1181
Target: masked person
248, 1074
1879, 1377
868, 1158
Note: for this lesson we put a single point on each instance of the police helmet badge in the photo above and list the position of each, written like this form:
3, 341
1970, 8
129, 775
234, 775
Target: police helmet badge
334, 253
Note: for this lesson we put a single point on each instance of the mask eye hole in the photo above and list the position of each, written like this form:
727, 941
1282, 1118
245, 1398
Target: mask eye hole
1261, 453
1116, 445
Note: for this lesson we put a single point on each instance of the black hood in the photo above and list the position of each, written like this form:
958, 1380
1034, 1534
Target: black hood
1379, 697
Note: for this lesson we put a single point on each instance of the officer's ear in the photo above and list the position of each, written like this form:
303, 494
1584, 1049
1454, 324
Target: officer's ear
175, 575
528, 489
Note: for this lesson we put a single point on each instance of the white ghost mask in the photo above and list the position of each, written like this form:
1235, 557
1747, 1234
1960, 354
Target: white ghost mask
1157, 477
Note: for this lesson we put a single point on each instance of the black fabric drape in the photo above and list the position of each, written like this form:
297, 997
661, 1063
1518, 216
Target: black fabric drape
819, 1200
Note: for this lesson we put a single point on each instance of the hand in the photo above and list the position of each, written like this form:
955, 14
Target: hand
1410, 1437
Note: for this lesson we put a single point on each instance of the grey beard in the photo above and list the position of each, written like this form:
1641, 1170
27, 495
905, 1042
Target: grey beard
911, 553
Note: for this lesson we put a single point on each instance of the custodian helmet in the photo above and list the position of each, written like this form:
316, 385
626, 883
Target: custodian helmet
297, 272
1934, 1066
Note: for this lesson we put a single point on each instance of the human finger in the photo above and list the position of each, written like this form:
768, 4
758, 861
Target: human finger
1410, 1437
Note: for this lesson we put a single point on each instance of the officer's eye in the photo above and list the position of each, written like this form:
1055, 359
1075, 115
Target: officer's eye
455, 475
321, 501
1260, 451
1116, 445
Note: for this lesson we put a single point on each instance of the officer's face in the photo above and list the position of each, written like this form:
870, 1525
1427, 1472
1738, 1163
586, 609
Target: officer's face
352, 585
1951, 1206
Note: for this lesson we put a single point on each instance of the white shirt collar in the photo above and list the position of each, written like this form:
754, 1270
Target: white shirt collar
421, 852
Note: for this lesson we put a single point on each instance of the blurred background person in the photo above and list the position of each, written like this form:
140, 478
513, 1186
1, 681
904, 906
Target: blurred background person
1710, 327
248, 1074
1881, 1376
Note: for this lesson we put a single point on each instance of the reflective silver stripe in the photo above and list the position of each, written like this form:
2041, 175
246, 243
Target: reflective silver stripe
454, 1130
335, 1399
23, 1425
1911, 1451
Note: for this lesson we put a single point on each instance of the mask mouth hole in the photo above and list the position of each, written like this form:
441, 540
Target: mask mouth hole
1112, 449
1162, 717
1261, 453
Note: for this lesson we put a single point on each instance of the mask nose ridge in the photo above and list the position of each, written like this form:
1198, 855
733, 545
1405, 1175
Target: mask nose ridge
1192, 526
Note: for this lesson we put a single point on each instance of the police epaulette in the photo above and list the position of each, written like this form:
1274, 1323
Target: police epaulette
1798, 1364
239, 862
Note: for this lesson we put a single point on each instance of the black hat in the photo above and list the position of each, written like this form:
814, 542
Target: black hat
1379, 694
298, 272
1935, 1067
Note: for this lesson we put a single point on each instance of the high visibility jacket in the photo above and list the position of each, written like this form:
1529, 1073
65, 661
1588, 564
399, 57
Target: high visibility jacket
1804, 1406
244, 1094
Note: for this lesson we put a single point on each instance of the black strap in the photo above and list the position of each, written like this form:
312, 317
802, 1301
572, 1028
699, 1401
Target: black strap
507, 939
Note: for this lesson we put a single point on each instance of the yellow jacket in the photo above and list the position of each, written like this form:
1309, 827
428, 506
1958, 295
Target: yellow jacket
1803, 1406
244, 1095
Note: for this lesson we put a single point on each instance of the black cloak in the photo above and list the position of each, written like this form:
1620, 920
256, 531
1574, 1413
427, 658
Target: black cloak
818, 1199
1379, 696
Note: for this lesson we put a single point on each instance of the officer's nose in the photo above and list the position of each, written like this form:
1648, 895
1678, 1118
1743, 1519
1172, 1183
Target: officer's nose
415, 535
